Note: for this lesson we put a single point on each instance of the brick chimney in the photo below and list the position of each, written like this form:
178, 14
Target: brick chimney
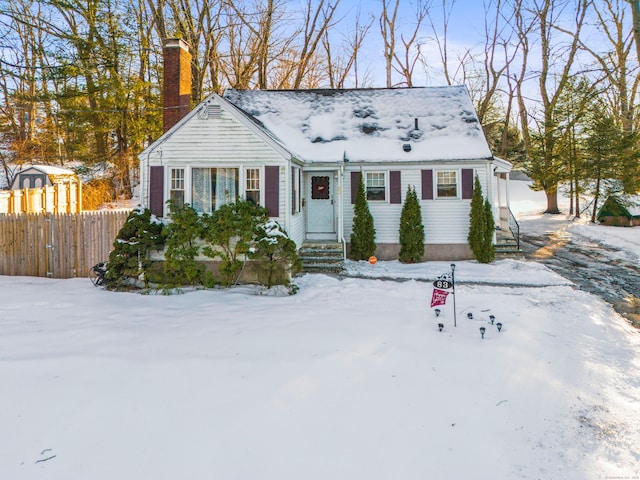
176, 96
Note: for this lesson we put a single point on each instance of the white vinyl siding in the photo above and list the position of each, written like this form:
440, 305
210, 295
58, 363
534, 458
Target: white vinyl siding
444, 222
224, 139
222, 142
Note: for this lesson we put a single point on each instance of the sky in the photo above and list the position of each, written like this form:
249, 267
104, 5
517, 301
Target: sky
465, 29
349, 378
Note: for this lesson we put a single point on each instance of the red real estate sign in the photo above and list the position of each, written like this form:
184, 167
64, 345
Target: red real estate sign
439, 297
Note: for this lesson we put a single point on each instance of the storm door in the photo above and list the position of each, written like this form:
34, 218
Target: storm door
320, 208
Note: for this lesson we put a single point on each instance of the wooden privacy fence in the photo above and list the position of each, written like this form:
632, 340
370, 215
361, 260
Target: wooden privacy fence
58, 198
57, 245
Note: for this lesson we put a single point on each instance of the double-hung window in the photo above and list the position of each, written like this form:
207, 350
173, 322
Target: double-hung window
176, 188
213, 187
446, 184
252, 185
375, 186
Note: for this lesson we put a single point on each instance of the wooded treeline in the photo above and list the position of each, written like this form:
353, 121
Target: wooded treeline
555, 82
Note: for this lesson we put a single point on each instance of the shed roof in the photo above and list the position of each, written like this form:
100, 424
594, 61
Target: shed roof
49, 170
369, 124
621, 206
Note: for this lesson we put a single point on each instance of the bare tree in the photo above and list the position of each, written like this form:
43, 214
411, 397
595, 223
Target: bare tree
317, 21
635, 12
345, 63
619, 69
405, 61
558, 49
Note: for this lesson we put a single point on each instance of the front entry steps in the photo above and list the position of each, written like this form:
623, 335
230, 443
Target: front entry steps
507, 245
321, 257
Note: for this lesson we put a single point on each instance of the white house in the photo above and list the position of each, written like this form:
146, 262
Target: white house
300, 153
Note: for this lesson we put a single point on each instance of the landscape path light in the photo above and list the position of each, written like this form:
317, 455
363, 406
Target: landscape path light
437, 311
492, 318
499, 325
440, 326
482, 330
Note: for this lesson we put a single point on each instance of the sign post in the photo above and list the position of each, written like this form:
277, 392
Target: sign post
441, 284
453, 286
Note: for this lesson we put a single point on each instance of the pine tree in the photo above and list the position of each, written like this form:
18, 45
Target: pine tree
411, 229
481, 226
363, 234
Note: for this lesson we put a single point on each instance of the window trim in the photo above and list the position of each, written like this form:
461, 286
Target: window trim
296, 185
171, 184
189, 186
244, 177
436, 195
385, 176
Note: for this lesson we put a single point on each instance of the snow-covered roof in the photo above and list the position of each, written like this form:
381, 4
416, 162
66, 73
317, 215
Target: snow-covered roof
49, 170
632, 204
369, 124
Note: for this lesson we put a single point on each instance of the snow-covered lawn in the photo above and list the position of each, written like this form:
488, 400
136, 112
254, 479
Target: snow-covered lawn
348, 379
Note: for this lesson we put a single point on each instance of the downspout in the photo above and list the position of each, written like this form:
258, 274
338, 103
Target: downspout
287, 191
145, 188
341, 213
491, 175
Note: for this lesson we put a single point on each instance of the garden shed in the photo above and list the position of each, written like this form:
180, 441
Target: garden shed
620, 211
38, 176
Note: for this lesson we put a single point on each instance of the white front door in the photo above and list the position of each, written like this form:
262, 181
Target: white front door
320, 206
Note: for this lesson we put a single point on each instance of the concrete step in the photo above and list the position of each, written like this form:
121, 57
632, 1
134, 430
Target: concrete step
321, 257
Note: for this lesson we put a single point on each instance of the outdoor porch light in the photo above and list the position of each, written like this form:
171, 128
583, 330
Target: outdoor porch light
440, 326
437, 311
499, 325
492, 318
470, 316
482, 330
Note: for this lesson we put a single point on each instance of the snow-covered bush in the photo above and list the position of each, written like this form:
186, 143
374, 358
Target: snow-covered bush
129, 260
275, 251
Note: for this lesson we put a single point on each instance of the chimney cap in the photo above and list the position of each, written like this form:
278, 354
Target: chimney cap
176, 43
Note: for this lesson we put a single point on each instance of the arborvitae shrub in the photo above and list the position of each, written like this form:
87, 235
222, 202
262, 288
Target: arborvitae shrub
363, 234
411, 229
481, 226
489, 249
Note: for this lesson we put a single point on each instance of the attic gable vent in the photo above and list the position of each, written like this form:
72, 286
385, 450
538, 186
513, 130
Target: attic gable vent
213, 111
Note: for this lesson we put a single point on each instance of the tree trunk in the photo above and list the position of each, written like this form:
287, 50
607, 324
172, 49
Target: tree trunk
552, 201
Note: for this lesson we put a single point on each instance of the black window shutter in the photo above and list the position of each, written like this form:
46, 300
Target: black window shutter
395, 187
355, 181
467, 183
156, 191
427, 184
272, 190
